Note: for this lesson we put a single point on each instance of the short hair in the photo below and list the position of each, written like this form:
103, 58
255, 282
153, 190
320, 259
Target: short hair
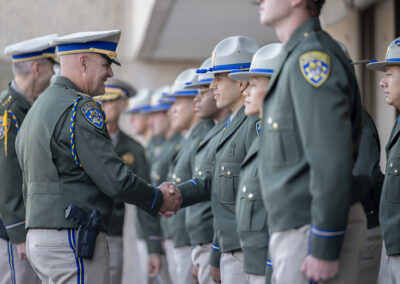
314, 7
23, 68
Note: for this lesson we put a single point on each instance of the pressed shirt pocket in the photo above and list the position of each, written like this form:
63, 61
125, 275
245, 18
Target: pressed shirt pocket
392, 188
228, 181
283, 146
252, 214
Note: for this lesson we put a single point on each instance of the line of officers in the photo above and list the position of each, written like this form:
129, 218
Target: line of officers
268, 164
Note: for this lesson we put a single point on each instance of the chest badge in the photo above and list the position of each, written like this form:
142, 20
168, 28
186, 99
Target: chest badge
128, 159
315, 67
93, 114
258, 127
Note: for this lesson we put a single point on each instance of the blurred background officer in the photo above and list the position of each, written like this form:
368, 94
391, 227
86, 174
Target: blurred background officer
389, 215
235, 139
199, 218
132, 154
67, 157
192, 129
312, 107
32, 62
251, 214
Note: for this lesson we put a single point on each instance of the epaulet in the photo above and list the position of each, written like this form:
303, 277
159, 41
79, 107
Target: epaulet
6, 102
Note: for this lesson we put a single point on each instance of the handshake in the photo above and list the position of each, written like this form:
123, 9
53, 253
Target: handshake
172, 199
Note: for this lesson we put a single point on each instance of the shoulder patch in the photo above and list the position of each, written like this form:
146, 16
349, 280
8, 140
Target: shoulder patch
93, 114
3, 129
258, 127
315, 67
128, 159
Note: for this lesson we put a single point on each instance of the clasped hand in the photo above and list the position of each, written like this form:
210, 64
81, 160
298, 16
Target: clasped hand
172, 199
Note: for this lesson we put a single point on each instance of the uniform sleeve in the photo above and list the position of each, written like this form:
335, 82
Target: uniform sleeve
324, 116
196, 190
102, 164
152, 231
215, 255
12, 209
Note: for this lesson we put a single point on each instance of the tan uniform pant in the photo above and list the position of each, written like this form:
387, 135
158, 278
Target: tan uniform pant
116, 258
370, 257
231, 266
51, 253
12, 269
183, 265
201, 260
169, 253
289, 249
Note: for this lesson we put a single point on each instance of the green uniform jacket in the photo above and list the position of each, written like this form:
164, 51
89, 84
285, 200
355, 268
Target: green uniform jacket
251, 215
389, 211
132, 154
52, 178
12, 210
181, 171
367, 164
312, 127
221, 186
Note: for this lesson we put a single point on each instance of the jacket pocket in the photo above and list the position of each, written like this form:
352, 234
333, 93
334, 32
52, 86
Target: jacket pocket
392, 188
252, 214
228, 181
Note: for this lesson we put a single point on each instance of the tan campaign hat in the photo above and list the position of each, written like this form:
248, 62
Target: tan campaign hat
35, 48
264, 63
116, 89
203, 78
233, 53
185, 78
392, 57
104, 42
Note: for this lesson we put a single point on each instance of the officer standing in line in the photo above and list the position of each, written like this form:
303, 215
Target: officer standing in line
234, 141
313, 120
251, 214
70, 167
199, 218
32, 62
132, 154
192, 129
389, 212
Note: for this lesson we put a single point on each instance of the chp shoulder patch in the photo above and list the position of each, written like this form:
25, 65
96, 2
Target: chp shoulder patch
92, 113
258, 127
128, 159
3, 127
315, 67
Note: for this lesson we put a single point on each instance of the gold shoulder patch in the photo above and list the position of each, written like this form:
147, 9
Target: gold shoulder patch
315, 67
128, 159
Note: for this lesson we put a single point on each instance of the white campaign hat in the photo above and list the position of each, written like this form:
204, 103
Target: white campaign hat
157, 101
264, 63
141, 101
392, 57
233, 53
104, 42
31, 49
203, 78
185, 78
115, 89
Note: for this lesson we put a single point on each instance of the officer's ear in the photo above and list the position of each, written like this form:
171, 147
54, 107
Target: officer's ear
243, 85
83, 62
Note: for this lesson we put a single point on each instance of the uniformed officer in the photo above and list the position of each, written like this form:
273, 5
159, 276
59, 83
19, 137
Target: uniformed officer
234, 141
251, 214
389, 207
32, 62
312, 114
132, 154
199, 218
67, 158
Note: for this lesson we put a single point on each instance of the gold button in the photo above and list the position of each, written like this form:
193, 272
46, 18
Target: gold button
222, 168
250, 195
275, 125
157, 177
228, 173
197, 169
391, 165
371, 212
200, 173
174, 176
244, 189
305, 34
269, 120
395, 172
178, 180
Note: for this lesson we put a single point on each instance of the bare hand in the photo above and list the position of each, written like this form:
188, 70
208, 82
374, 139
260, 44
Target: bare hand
172, 199
195, 273
215, 274
154, 265
319, 270
21, 249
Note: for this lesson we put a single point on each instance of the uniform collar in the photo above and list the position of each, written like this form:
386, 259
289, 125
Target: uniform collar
18, 96
65, 82
303, 31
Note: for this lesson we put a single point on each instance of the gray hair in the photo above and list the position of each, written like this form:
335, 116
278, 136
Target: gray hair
23, 68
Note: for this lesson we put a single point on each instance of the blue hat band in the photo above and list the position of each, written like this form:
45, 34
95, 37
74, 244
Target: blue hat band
207, 80
194, 92
229, 67
393, 59
161, 107
104, 45
49, 52
125, 91
261, 70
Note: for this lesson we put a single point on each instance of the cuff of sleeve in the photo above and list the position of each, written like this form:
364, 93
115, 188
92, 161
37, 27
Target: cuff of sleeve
326, 244
156, 203
154, 246
186, 189
268, 272
215, 257
16, 232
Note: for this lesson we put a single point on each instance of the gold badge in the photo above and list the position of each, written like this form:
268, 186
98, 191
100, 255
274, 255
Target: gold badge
315, 67
4, 127
128, 159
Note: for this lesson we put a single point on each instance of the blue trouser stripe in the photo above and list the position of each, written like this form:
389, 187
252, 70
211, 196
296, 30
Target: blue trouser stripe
79, 261
11, 261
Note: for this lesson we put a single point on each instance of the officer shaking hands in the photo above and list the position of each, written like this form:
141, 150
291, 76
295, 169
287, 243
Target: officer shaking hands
67, 158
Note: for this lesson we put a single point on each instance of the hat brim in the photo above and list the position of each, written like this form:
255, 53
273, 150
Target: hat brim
380, 66
245, 76
197, 86
108, 97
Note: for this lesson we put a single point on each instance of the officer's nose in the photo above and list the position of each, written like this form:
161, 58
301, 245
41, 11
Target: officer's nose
383, 82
